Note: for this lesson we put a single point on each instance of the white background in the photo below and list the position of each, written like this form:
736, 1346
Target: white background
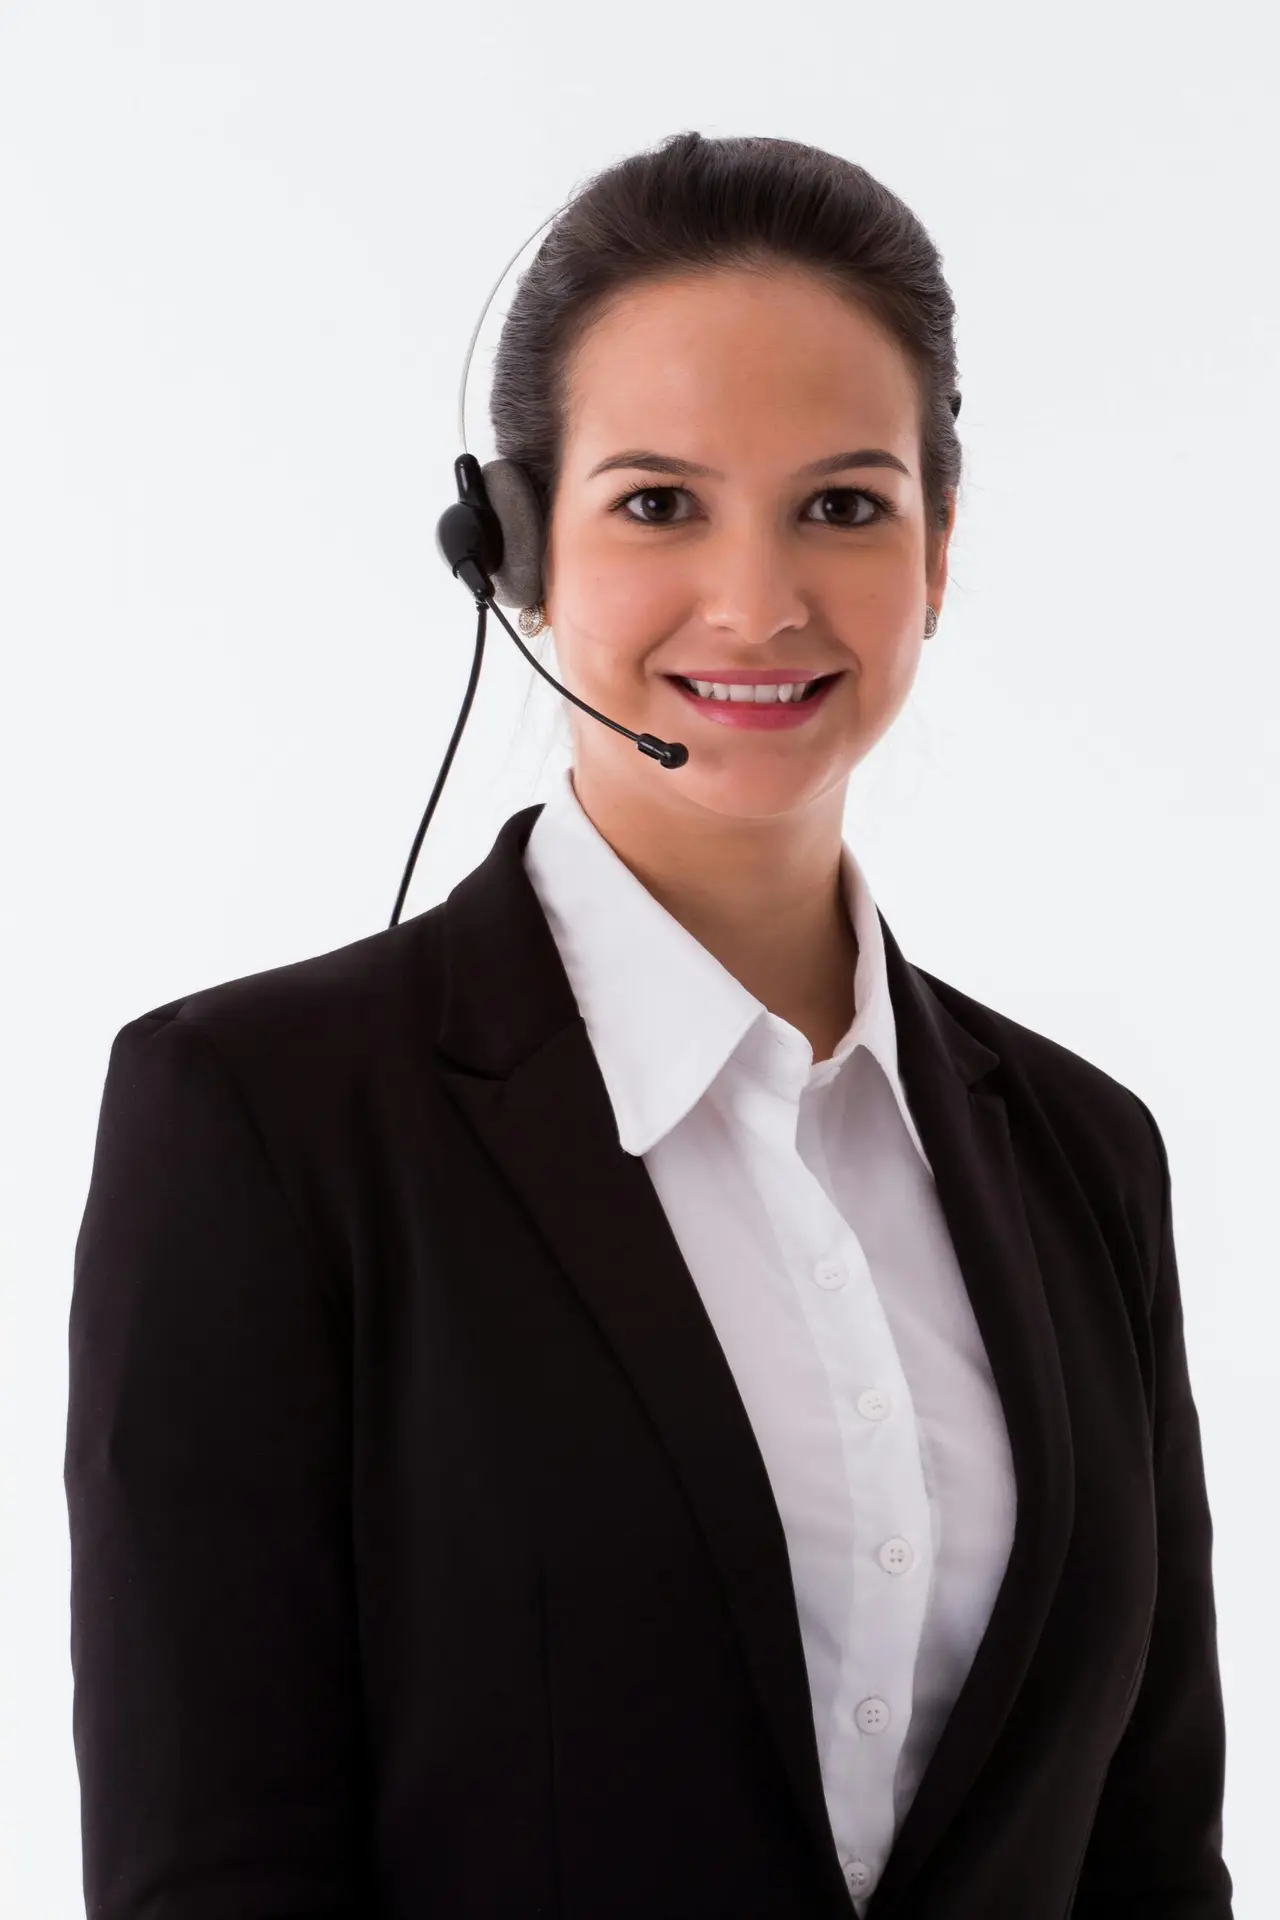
242, 249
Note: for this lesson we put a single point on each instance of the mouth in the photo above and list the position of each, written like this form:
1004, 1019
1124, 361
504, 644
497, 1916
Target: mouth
812, 691
757, 716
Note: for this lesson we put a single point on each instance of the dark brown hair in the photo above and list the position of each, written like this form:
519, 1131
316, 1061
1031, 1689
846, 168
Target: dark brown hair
744, 202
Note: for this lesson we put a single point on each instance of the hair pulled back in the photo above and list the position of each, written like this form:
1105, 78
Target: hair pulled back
743, 202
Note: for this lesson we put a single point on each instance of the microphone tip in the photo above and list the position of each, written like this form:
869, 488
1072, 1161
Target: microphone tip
671, 753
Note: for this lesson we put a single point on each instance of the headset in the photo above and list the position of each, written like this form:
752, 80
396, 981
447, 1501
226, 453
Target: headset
491, 538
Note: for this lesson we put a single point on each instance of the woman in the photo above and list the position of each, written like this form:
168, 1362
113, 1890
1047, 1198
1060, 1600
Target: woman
621, 1396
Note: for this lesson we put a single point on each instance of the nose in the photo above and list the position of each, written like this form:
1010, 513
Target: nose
754, 584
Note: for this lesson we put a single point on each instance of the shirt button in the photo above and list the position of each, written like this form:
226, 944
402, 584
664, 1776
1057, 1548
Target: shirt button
872, 1715
829, 1273
897, 1555
873, 1404
858, 1876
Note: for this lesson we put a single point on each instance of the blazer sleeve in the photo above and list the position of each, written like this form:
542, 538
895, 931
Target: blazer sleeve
213, 1642
1155, 1849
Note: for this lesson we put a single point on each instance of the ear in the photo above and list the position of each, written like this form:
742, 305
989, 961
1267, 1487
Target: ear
936, 571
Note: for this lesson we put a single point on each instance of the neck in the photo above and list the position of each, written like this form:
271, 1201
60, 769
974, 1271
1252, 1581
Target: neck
763, 895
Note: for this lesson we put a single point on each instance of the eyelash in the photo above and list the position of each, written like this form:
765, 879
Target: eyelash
884, 506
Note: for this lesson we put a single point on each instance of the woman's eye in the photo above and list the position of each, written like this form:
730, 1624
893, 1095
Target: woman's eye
850, 497
647, 494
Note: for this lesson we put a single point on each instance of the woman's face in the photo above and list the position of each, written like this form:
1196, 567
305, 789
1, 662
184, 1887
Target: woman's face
754, 565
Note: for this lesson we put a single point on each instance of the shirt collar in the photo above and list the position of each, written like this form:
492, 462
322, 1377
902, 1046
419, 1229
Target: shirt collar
662, 1014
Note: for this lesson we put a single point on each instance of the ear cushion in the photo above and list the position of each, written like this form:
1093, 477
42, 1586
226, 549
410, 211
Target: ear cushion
517, 581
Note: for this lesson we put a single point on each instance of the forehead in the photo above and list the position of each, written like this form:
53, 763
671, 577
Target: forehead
736, 358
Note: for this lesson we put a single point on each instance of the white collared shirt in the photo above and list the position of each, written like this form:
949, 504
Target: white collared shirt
803, 1203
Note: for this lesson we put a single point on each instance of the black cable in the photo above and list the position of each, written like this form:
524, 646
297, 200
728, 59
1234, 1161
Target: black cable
670, 753
448, 758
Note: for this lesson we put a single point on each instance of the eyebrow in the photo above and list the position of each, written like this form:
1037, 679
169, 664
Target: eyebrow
642, 459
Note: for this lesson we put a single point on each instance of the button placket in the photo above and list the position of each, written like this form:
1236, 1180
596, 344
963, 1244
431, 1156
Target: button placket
853, 1338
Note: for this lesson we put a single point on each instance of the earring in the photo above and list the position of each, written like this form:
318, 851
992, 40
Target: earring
930, 623
531, 621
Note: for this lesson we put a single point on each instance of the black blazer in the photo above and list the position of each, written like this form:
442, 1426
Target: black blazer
423, 1559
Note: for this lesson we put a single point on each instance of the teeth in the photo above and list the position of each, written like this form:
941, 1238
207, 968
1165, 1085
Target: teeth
781, 693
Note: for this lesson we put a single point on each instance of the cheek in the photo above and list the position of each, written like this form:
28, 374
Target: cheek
615, 605
889, 672
879, 591
880, 616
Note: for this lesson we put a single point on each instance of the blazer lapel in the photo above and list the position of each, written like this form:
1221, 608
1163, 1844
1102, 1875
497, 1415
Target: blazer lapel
517, 1060
965, 1129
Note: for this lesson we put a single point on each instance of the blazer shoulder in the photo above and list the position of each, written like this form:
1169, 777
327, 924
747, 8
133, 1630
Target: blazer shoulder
349, 1001
1099, 1120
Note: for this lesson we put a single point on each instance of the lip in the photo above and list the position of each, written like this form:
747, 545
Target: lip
754, 676
746, 713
